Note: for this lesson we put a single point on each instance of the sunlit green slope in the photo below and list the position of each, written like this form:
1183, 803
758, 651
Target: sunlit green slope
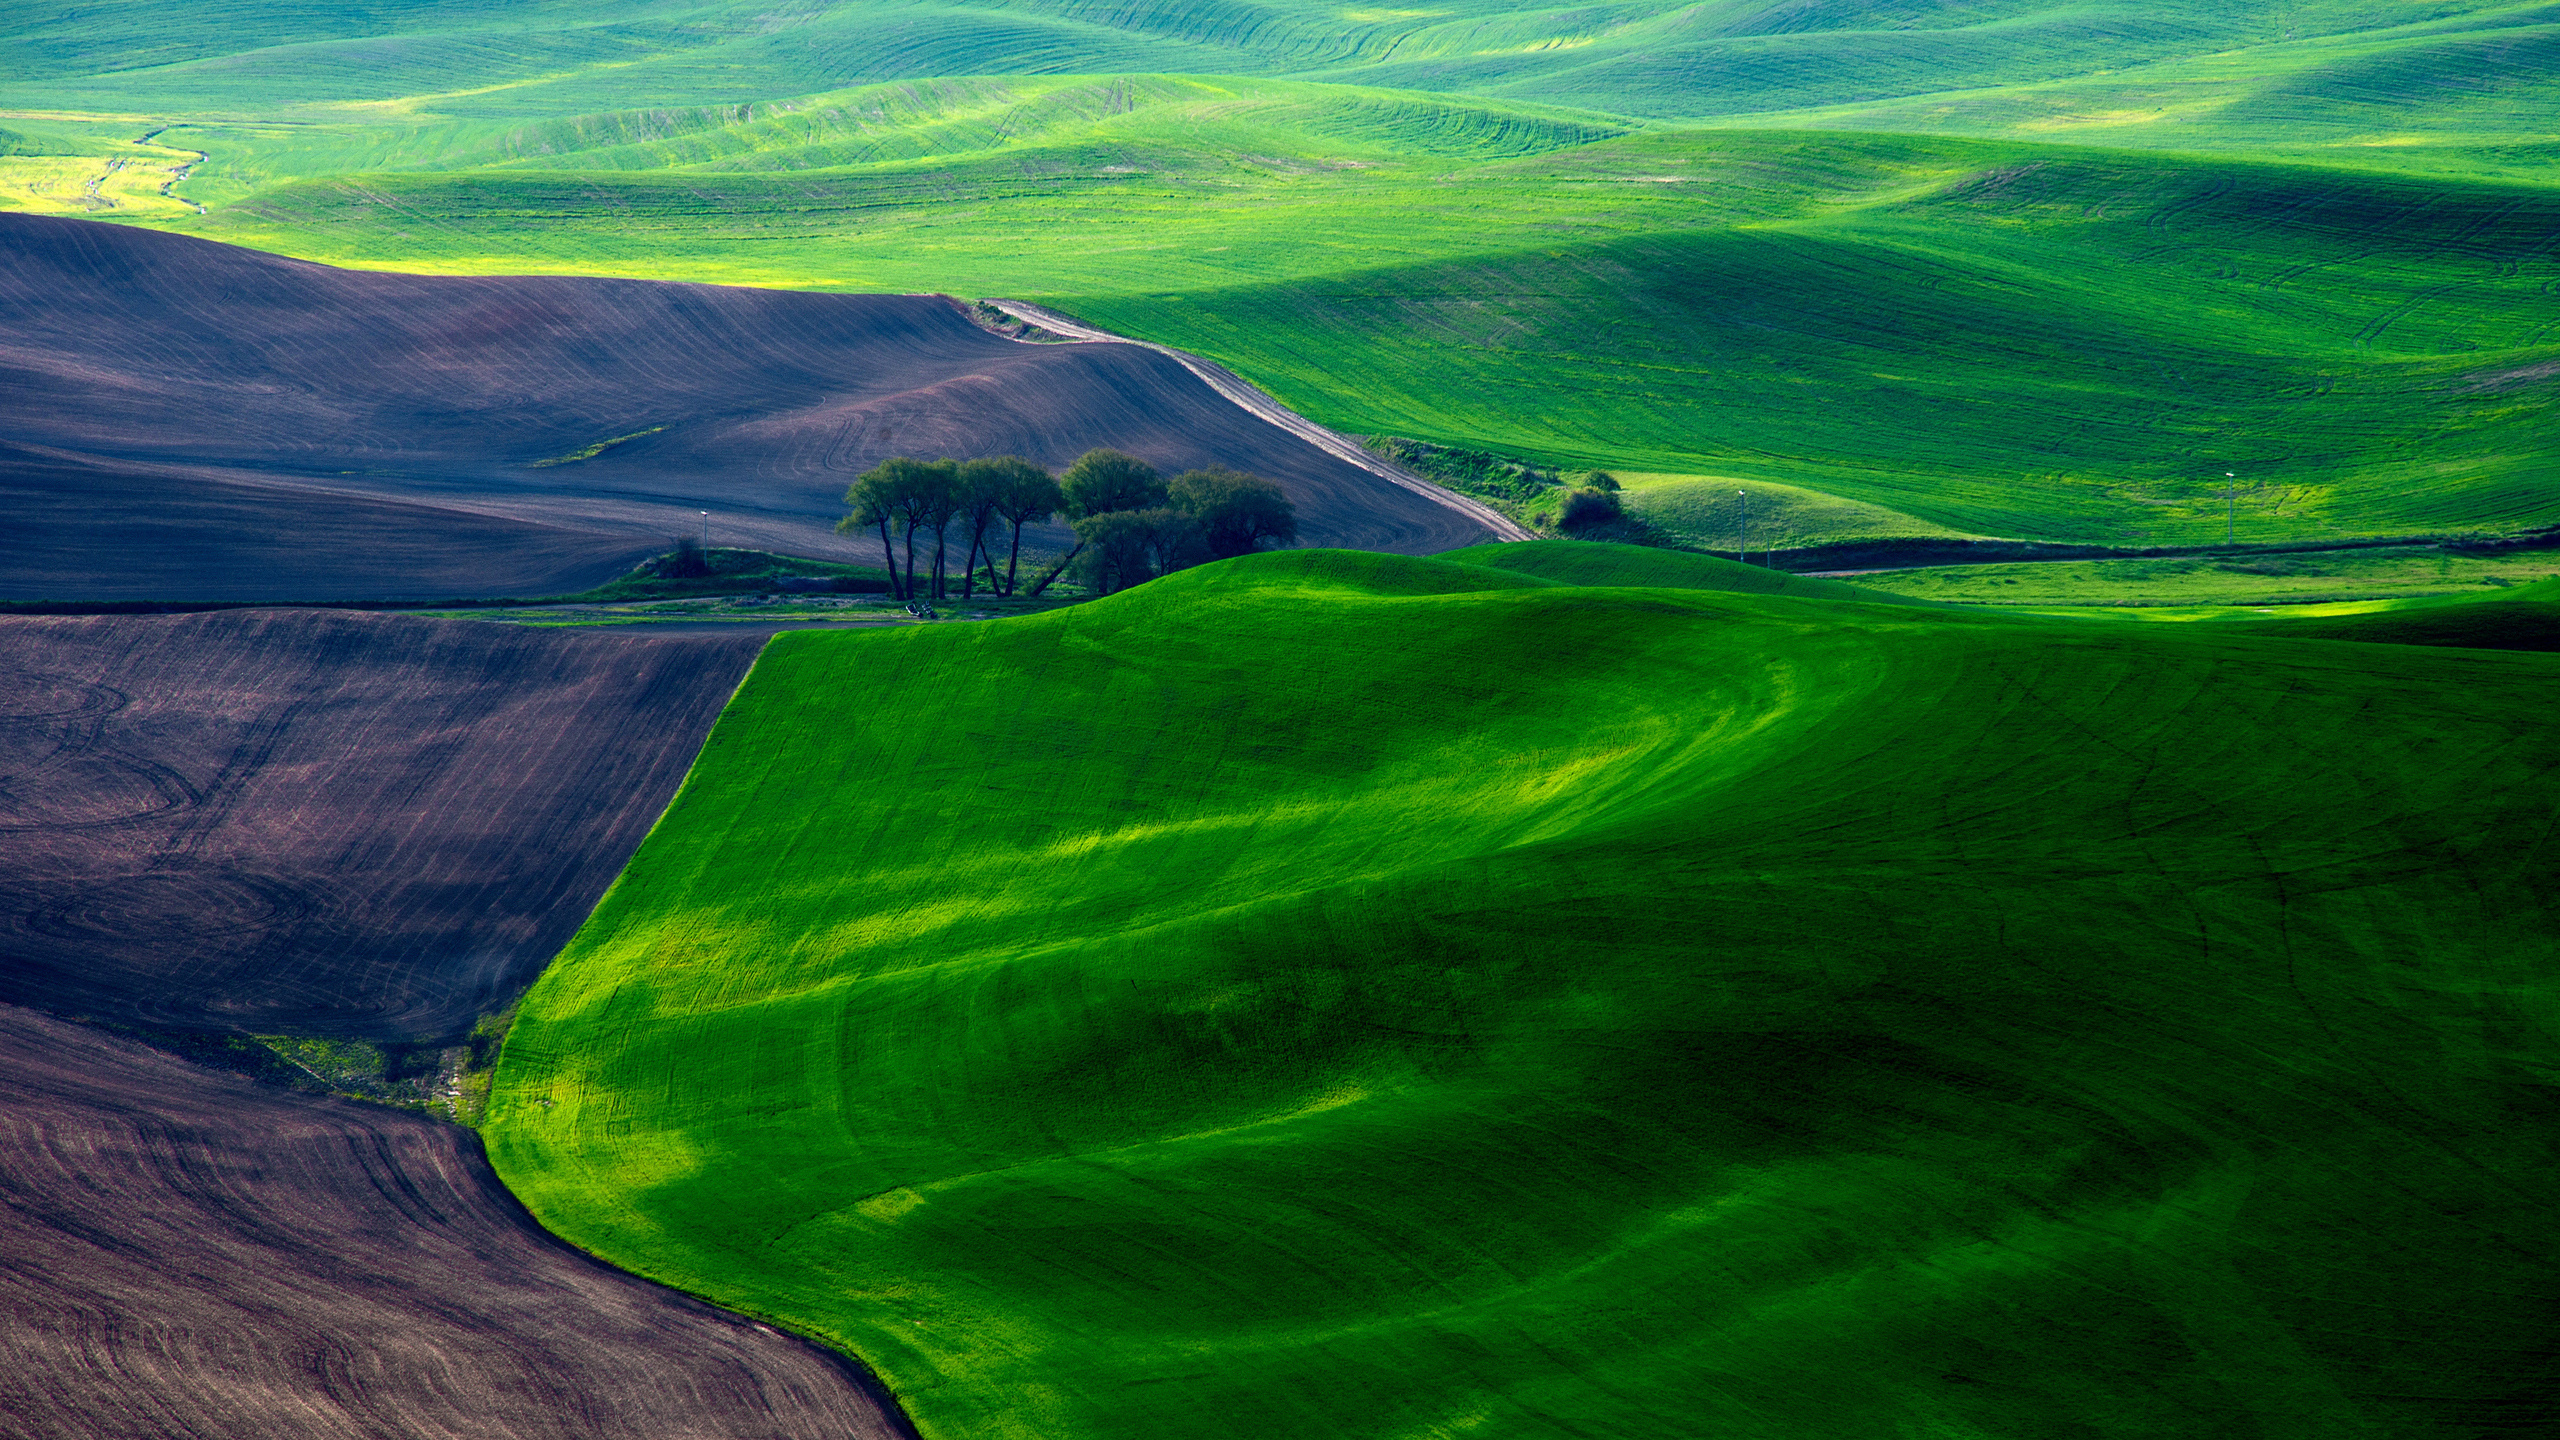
1959, 61
2061, 345
1349, 996
2474, 93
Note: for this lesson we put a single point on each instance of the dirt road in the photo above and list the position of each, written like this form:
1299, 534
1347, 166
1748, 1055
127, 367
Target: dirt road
1256, 402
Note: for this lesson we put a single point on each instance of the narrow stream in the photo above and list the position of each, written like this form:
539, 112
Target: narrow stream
181, 173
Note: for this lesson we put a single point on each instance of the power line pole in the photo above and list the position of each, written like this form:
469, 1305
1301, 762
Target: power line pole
1742, 529
2231, 504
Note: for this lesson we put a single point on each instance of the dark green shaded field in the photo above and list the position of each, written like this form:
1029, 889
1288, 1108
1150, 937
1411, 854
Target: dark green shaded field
1337, 995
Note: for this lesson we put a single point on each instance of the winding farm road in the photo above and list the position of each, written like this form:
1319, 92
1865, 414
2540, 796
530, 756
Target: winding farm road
1254, 400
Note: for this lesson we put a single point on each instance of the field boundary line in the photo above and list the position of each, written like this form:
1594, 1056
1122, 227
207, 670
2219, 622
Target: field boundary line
1247, 396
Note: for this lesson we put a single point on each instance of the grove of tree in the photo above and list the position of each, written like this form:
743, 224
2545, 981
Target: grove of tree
1131, 525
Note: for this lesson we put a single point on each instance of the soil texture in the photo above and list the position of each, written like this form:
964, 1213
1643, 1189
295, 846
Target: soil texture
325, 823
97, 529
191, 1254
423, 426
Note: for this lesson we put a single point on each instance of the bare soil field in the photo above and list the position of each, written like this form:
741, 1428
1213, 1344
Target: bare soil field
599, 416
191, 1254
348, 825
174, 532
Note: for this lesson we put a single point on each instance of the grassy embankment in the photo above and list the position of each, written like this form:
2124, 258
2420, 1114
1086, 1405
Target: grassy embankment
1332, 994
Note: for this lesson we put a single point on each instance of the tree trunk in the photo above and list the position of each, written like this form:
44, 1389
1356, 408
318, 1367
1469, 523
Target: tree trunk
969, 572
939, 534
1055, 571
1015, 562
890, 555
911, 561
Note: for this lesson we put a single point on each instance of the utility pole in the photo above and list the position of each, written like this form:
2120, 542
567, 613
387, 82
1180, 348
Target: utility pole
1742, 529
2230, 504
706, 532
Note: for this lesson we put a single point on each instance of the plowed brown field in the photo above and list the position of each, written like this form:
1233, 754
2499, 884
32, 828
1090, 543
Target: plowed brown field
285, 386
338, 824
178, 532
192, 1254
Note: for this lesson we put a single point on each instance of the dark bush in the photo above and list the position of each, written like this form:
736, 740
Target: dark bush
686, 562
1586, 508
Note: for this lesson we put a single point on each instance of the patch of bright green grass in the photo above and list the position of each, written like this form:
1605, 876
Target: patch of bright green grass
2508, 617
2260, 579
2523, 618
1341, 995
1709, 512
100, 182
589, 452
1589, 563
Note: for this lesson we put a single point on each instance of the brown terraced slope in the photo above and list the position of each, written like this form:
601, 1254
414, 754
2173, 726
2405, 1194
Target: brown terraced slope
317, 822
192, 1255
193, 420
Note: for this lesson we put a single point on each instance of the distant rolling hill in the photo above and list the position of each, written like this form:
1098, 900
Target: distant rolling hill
1981, 337
1652, 58
386, 423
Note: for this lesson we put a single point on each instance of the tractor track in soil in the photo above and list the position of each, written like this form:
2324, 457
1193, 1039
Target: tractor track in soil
326, 434
191, 1253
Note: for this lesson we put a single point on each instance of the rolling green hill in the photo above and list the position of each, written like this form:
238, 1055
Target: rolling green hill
2288, 68
1336, 995
2066, 345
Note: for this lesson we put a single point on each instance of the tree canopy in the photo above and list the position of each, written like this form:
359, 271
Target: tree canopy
1237, 513
1102, 481
1130, 525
